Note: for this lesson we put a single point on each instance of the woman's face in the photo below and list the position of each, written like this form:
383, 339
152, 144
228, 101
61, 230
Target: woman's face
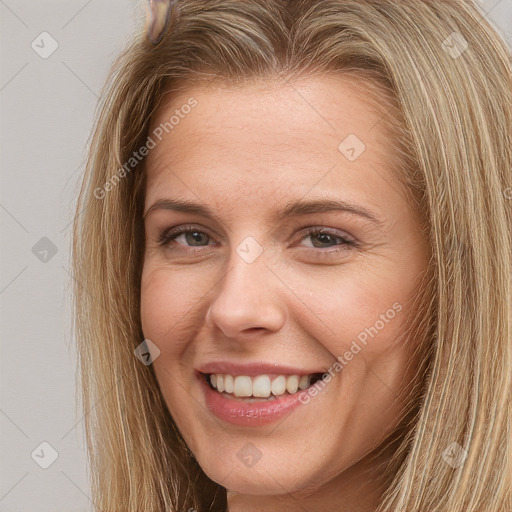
271, 283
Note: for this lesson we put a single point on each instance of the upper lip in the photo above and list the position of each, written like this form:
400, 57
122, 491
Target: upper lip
252, 369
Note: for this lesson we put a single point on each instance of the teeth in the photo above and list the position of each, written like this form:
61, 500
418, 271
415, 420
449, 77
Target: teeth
304, 381
279, 385
260, 386
292, 384
228, 383
242, 386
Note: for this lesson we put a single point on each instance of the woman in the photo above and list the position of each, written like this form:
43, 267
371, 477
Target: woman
292, 251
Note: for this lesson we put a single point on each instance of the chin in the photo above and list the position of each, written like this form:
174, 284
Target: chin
264, 478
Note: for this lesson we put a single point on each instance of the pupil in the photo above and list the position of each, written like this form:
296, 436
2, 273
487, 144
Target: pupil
323, 237
194, 236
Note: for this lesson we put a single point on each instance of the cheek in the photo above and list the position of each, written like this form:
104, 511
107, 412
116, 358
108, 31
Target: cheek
367, 306
169, 299
364, 312
368, 316
173, 302
163, 300
154, 301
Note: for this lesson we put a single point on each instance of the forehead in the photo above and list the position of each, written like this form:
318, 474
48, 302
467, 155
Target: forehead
321, 132
295, 111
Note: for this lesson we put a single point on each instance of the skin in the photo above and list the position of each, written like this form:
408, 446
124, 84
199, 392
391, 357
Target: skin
245, 152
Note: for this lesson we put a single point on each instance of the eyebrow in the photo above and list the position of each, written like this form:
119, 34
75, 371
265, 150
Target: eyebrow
292, 209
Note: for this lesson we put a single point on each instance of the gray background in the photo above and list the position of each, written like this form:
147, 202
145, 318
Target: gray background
47, 107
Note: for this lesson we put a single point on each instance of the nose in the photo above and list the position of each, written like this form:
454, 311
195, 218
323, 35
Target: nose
247, 299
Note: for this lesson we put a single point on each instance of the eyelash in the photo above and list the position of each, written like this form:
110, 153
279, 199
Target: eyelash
171, 234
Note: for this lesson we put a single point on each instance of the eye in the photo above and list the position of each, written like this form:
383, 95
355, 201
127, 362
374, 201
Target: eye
189, 235
325, 236
321, 238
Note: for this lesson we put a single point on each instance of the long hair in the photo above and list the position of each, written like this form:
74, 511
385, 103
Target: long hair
444, 77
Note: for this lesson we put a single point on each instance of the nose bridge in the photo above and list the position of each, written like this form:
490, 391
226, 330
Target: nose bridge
247, 294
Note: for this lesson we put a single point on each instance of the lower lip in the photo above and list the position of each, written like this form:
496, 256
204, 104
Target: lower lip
240, 412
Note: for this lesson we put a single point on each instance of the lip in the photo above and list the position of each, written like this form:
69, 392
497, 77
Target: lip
247, 414
253, 369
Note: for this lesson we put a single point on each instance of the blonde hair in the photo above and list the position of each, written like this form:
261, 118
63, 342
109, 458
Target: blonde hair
449, 108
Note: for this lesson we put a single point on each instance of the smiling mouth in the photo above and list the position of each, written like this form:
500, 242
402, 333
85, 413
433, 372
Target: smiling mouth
260, 387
